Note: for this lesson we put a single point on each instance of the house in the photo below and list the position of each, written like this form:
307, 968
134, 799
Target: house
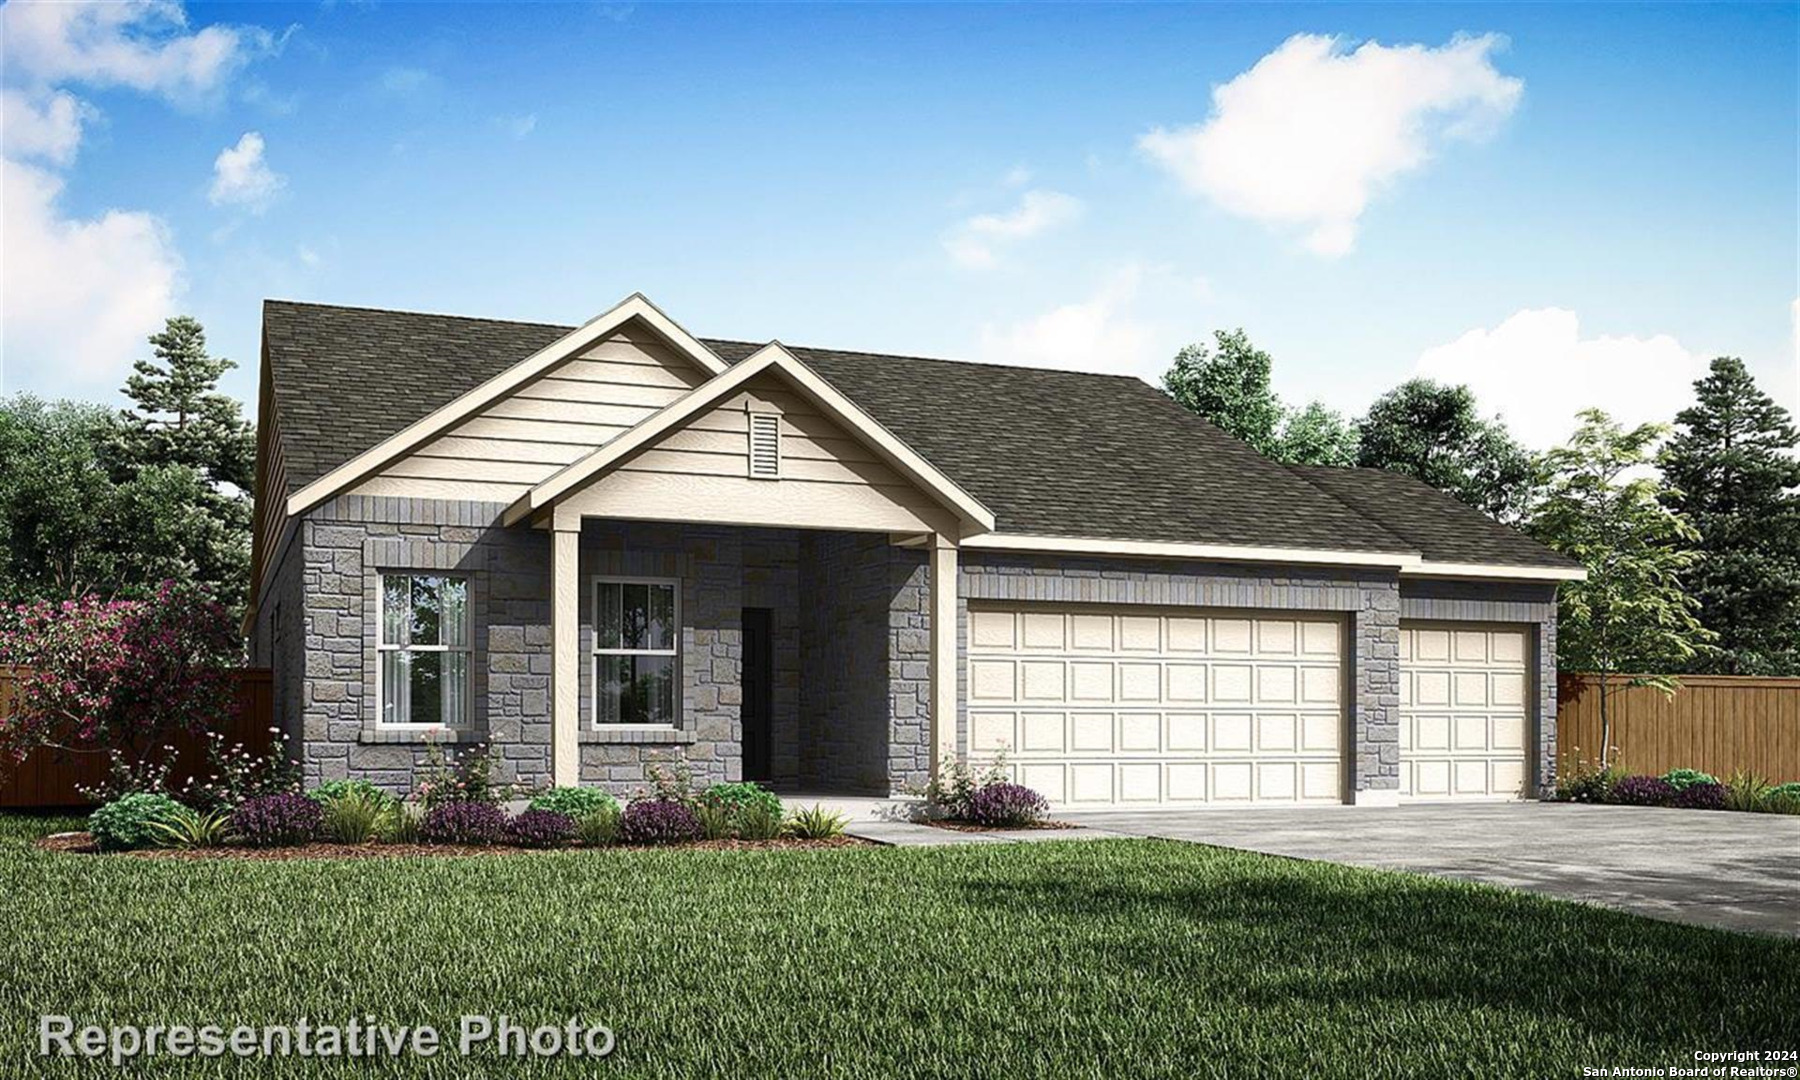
590, 547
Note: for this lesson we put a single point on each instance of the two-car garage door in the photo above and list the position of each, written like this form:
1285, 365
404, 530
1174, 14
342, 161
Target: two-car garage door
1149, 706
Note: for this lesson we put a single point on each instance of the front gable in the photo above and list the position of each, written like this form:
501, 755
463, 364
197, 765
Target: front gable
541, 426
632, 326
700, 471
692, 461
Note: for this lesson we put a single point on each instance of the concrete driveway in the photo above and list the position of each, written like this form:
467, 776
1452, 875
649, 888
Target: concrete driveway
1729, 870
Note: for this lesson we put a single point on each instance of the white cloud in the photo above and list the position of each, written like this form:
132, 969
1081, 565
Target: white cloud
1537, 371
47, 127
142, 44
79, 295
242, 178
1099, 333
1312, 132
977, 241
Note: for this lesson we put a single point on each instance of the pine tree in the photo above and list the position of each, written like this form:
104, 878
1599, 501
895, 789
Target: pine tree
1732, 471
190, 445
181, 417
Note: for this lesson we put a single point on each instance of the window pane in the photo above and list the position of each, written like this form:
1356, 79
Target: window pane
393, 688
427, 611
655, 689
393, 610
427, 683
636, 690
606, 620
662, 618
455, 594
456, 689
613, 674
634, 614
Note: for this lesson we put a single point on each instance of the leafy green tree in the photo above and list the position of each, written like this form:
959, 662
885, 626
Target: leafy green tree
1433, 432
94, 502
1316, 435
1632, 620
1732, 471
57, 498
1229, 384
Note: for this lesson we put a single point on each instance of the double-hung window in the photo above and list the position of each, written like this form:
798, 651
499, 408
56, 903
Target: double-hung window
636, 639
424, 650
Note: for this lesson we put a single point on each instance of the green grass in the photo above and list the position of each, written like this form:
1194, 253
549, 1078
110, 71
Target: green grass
1096, 958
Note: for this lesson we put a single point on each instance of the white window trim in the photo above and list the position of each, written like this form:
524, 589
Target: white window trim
595, 652
382, 646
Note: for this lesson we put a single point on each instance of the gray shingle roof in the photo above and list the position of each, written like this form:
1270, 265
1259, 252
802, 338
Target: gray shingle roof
1436, 525
1049, 452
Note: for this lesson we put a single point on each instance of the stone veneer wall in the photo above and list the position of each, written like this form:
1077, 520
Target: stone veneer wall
1370, 600
851, 691
1529, 604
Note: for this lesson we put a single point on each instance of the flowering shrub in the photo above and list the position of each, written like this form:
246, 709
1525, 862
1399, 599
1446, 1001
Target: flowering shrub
1642, 791
464, 823
1702, 796
277, 820
952, 790
102, 675
449, 779
541, 829
1005, 804
1588, 783
576, 802
130, 822
658, 821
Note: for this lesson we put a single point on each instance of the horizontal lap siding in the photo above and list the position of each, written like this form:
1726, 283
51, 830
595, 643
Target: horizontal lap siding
545, 425
585, 403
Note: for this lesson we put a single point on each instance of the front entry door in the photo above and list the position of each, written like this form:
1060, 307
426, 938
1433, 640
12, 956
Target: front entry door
759, 686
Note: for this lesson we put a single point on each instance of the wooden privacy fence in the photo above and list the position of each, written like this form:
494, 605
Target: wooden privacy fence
48, 778
1716, 723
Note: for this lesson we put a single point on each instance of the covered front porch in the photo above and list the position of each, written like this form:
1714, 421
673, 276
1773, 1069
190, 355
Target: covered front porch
811, 660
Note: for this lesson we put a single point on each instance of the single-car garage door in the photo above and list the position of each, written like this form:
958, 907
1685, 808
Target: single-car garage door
1463, 693
1145, 706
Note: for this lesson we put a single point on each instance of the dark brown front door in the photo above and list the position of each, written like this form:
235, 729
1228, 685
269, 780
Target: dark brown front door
759, 693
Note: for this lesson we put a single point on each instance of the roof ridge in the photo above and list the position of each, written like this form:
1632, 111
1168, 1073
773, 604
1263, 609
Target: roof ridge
929, 359
722, 340
267, 300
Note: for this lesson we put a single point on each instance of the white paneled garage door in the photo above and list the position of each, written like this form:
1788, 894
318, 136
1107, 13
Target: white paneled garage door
1463, 693
1151, 706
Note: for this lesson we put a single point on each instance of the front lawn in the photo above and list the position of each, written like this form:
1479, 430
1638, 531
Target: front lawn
1082, 958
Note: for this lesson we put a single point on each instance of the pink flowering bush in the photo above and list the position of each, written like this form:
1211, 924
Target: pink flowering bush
117, 675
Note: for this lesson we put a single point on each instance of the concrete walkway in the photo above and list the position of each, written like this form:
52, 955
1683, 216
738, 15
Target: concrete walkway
1729, 870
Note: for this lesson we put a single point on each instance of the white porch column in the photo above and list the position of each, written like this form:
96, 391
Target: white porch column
943, 650
565, 658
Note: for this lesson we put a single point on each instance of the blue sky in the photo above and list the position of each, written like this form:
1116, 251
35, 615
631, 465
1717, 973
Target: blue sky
1561, 205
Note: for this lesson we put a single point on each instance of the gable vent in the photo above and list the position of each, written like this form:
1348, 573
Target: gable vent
765, 445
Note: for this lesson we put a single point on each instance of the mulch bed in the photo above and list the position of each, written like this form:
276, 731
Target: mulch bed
970, 826
81, 843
